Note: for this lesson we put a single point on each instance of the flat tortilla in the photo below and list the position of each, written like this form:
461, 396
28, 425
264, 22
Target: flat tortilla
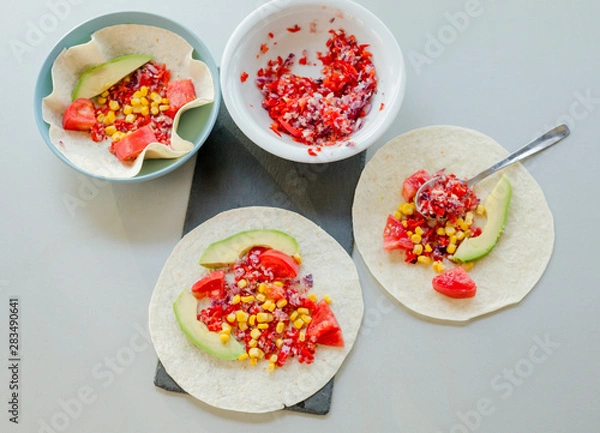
235, 385
503, 277
107, 44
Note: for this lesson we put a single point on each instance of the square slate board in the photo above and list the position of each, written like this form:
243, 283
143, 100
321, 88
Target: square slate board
233, 172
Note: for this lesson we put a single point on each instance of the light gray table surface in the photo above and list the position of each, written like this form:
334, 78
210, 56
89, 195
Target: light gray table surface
84, 273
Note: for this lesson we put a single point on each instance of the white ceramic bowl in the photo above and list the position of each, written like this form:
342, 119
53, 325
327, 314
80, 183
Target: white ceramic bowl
242, 55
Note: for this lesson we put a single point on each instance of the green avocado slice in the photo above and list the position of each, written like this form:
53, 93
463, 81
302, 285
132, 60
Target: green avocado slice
228, 250
496, 205
186, 312
96, 80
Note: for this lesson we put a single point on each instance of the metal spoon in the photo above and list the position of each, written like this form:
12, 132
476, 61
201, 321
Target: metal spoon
543, 142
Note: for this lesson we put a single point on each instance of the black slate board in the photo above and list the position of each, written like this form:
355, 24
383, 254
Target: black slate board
233, 172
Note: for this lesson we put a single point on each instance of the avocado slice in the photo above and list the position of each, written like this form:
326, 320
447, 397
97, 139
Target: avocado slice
228, 250
96, 80
496, 205
186, 312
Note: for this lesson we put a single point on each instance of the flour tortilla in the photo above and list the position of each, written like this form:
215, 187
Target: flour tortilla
106, 44
503, 277
235, 385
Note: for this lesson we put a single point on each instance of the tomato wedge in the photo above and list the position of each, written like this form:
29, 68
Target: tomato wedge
395, 235
80, 115
412, 183
132, 145
455, 283
324, 327
279, 263
179, 92
212, 285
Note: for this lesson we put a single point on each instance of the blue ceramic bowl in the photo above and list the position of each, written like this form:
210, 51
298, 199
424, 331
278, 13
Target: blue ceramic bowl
195, 125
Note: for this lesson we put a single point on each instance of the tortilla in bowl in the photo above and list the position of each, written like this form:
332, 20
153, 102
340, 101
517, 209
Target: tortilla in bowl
236, 385
503, 277
107, 44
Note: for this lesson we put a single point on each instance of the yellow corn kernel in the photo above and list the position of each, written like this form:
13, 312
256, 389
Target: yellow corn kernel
100, 100
419, 231
155, 97
464, 226
312, 297
438, 266
163, 107
144, 90
468, 233
281, 303
154, 110
236, 300
243, 357
262, 317
404, 223
224, 337
253, 362
117, 136
302, 336
130, 118
327, 299
418, 249
298, 323
298, 258
409, 233
262, 288
261, 354
408, 208
278, 283
428, 248
144, 101
468, 266
145, 111
262, 326
469, 218
273, 358
449, 230
165, 100
416, 238
127, 109
459, 221
114, 105
135, 101
460, 235
231, 317
260, 297
252, 343
294, 316
243, 326
424, 260
480, 210
271, 367
279, 343
225, 327
242, 283
137, 109
252, 320
397, 215
272, 307
267, 304
253, 352
451, 249
440, 231
453, 239
306, 318
109, 119
247, 299
104, 94
303, 310
110, 130
241, 316
280, 327
100, 117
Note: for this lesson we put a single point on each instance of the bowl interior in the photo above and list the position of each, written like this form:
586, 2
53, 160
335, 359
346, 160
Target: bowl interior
315, 19
195, 125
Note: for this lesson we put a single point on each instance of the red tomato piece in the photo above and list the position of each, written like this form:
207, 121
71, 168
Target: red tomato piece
80, 115
279, 263
275, 292
212, 285
324, 327
455, 283
179, 92
412, 183
132, 145
395, 235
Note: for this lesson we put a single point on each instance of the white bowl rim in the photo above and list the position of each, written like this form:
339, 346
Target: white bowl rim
268, 141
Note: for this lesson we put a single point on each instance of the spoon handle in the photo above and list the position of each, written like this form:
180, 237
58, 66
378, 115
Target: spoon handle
546, 140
